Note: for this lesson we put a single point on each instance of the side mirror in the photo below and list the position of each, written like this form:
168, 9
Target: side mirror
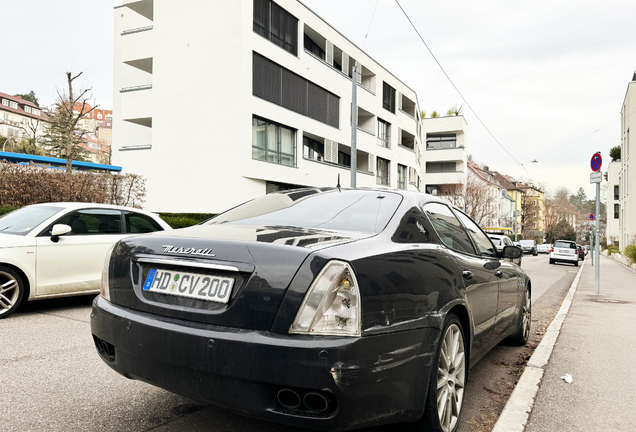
59, 230
512, 252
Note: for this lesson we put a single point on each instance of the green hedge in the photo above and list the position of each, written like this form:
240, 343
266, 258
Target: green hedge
612, 249
4, 209
183, 220
630, 252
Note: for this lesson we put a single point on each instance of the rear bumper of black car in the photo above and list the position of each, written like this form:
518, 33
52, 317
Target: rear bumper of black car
359, 382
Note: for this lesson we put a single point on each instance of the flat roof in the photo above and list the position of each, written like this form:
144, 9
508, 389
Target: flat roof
26, 158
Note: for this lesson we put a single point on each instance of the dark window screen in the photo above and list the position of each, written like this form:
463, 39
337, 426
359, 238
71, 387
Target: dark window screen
388, 97
278, 85
138, 223
276, 24
450, 231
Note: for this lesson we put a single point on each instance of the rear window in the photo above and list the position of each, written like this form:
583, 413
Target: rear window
496, 240
346, 210
527, 242
565, 245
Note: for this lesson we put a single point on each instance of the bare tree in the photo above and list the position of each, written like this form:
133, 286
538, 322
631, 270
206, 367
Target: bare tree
64, 137
476, 198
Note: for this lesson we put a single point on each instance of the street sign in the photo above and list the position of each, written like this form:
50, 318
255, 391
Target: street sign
592, 216
596, 162
596, 177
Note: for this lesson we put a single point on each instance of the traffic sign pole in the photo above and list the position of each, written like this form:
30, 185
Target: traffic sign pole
595, 164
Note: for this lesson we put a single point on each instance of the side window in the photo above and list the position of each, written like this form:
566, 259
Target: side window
507, 241
450, 231
413, 228
138, 223
92, 222
483, 243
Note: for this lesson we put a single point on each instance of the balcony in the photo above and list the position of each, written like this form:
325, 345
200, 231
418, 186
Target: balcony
366, 121
406, 140
452, 154
457, 177
407, 106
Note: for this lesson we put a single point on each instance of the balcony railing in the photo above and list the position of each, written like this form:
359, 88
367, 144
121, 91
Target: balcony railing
136, 88
136, 30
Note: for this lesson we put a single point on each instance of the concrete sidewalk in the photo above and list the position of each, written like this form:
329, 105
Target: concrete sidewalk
597, 346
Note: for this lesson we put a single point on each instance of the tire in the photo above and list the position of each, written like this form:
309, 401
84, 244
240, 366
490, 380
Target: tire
11, 291
535, 254
449, 376
551, 261
576, 264
522, 335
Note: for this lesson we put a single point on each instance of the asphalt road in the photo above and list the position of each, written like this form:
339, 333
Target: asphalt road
53, 380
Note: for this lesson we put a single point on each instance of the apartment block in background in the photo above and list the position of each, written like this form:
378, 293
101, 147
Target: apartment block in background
219, 102
20, 117
627, 173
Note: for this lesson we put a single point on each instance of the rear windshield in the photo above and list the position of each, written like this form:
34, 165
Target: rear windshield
22, 221
527, 242
566, 245
496, 241
346, 210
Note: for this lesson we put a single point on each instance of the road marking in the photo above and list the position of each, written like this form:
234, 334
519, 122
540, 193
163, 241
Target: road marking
515, 414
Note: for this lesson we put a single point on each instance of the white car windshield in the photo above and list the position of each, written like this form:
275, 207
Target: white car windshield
496, 241
22, 221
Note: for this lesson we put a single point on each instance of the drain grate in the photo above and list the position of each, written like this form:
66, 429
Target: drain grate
597, 300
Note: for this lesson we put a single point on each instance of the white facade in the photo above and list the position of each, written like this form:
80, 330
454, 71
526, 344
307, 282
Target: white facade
627, 175
444, 140
203, 91
612, 232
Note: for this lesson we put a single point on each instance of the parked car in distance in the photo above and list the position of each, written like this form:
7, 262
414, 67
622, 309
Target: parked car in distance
323, 308
543, 248
500, 241
564, 251
529, 246
580, 251
58, 249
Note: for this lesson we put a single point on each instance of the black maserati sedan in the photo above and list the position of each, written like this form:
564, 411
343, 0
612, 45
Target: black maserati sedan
325, 308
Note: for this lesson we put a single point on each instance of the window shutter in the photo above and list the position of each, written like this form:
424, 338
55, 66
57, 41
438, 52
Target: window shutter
399, 96
345, 63
371, 163
399, 136
331, 151
329, 53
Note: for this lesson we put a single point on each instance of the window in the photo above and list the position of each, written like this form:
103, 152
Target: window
276, 24
388, 97
484, 246
36, 112
5, 102
92, 222
13, 104
313, 47
27, 109
616, 210
534, 203
401, 174
382, 177
616, 192
313, 149
344, 159
438, 142
438, 167
138, 223
273, 143
278, 85
384, 133
448, 228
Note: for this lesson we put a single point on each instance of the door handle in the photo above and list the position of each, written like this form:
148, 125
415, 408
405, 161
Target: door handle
467, 274
499, 273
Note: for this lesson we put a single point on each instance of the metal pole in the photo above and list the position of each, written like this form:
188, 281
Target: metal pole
592, 249
515, 214
354, 125
597, 246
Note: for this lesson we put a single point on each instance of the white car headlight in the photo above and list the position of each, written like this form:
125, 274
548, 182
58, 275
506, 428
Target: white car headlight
331, 305
104, 291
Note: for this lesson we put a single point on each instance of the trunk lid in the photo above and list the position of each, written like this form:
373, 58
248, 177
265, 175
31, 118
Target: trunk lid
258, 262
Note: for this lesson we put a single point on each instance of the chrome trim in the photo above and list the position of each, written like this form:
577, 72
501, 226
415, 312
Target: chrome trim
187, 263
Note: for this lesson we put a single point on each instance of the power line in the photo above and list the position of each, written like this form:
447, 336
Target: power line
456, 89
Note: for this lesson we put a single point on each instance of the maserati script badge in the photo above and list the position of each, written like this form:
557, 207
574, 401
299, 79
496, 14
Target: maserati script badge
187, 251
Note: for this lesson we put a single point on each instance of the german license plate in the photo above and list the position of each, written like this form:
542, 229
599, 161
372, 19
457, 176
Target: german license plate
191, 285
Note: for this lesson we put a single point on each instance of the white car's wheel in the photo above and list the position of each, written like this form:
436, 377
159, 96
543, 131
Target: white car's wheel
11, 291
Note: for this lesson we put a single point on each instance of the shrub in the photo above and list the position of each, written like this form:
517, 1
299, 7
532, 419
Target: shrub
630, 252
612, 249
4, 209
21, 185
183, 220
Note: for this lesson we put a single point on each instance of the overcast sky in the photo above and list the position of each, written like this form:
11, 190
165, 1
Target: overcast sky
546, 77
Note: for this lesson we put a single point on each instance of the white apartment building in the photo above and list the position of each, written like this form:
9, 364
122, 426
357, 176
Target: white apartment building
19, 117
218, 102
627, 174
445, 154
612, 229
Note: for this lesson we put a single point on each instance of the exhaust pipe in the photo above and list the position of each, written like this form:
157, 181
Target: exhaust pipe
288, 398
316, 402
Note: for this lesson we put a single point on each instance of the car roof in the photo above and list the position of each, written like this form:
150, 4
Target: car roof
80, 205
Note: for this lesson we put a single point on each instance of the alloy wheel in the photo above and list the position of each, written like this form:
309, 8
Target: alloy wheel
9, 291
451, 378
526, 316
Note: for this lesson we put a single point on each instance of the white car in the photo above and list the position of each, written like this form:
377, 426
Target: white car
543, 248
564, 251
500, 241
58, 249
